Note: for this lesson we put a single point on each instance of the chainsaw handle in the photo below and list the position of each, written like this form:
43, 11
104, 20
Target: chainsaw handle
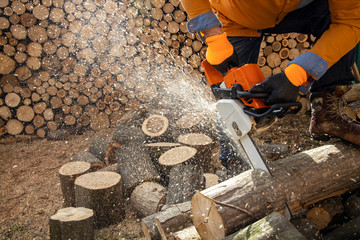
249, 95
278, 109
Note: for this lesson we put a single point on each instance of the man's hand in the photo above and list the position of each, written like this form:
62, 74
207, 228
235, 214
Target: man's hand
220, 53
280, 89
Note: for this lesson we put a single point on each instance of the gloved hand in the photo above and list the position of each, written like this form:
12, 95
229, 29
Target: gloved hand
220, 53
282, 87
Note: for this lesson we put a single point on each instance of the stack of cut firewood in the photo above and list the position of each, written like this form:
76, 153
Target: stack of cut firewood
277, 50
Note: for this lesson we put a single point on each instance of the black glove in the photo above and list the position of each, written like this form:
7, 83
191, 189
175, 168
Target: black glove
228, 63
280, 89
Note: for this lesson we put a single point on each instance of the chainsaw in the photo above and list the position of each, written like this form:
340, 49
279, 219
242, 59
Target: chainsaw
238, 108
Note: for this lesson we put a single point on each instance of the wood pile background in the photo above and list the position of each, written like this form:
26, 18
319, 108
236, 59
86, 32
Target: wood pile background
80, 64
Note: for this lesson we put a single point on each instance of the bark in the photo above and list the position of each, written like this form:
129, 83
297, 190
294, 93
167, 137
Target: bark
102, 192
72, 223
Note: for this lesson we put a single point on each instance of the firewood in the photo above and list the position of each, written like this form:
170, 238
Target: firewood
5, 112
72, 223
279, 188
284, 53
14, 127
352, 206
25, 113
98, 147
155, 125
102, 192
184, 180
203, 144
7, 65
273, 60
67, 174
86, 156
148, 198
142, 172
173, 218
323, 212
12, 100
186, 233
99, 122
149, 228
177, 155
211, 179
274, 226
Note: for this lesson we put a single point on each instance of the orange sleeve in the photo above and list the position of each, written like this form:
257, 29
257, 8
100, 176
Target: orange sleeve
344, 32
196, 7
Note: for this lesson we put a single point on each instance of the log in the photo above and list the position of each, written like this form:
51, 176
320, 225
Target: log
347, 231
86, 156
99, 146
184, 181
323, 212
155, 125
203, 144
255, 193
72, 223
143, 171
173, 218
12, 100
148, 198
102, 192
177, 155
273, 226
68, 174
14, 127
185, 234
149, 228
352, 206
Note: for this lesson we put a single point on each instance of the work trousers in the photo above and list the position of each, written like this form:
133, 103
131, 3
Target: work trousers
313, 19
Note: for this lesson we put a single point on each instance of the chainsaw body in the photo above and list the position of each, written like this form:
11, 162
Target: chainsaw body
238, 107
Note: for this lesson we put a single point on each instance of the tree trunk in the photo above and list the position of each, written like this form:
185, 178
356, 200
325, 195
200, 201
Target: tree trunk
295, 180
72, 223
102, 192
86, 156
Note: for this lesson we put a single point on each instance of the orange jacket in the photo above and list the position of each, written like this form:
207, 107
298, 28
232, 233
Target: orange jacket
246, 17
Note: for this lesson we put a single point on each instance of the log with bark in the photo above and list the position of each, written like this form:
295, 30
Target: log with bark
86, 156
148, 198
101, 191
68, 174
72, 223
273, 226
253, 194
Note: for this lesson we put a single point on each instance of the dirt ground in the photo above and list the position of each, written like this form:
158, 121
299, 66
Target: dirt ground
30, 190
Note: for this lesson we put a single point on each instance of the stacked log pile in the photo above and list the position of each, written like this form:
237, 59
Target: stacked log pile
79, 64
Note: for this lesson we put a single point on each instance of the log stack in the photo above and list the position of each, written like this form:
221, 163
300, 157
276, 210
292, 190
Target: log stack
81, 64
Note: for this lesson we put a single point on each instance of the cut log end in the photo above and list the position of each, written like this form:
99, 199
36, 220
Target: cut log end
177, 155
155, 125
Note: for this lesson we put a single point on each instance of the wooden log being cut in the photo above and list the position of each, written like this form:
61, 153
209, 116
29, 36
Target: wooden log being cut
273, 226
72, 223
102, 192
300, 180
177, 155
173, 218
148, 198
68, 174
86, 156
